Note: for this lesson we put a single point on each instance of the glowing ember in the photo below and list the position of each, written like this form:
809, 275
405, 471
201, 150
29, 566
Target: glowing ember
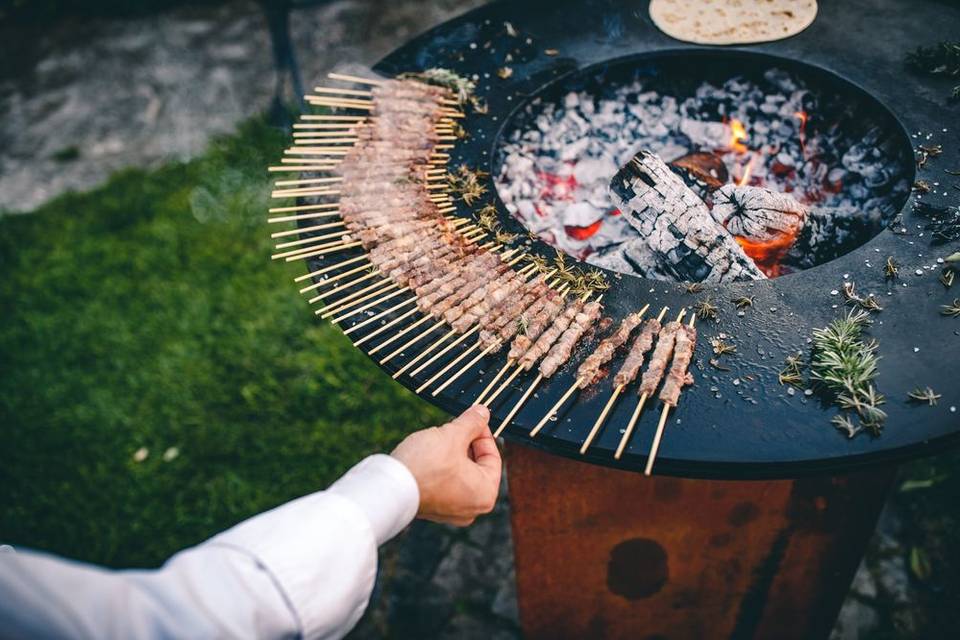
582, 233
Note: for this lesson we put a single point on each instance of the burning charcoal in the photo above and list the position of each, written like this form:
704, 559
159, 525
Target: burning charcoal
831, 231
679, 236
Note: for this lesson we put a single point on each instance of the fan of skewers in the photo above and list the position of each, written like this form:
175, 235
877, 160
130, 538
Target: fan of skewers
395, 261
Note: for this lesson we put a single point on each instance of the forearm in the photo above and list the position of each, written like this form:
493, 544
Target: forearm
304, 569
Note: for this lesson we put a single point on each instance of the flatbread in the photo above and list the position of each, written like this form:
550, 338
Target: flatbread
732, 21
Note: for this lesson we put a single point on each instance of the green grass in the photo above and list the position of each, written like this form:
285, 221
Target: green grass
147, 314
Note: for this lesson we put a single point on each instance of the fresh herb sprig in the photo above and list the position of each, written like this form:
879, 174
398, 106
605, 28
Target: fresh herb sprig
847, 365
942, 59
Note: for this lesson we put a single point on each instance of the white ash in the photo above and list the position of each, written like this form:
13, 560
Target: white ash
555, 164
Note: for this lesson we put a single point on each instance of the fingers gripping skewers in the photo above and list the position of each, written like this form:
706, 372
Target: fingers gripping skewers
677, 378
652, 376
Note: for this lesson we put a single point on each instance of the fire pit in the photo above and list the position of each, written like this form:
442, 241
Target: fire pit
795, 169
742, 119
848, 118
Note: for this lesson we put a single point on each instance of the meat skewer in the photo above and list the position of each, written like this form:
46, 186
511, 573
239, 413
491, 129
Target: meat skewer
677, 378
651, 377
543, 345
498, 297
628, 371
588, 371
498, 282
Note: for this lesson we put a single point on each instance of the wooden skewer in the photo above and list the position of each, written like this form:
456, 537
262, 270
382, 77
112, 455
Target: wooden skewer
463, 336
356, 79
450, 365
636, 412
652, 456
333, 267
372, 291
339, 276
322, 252
291, 183
466, 368
365, 93
306, 207
348, 314
506, 383
301, 252
304, 216
516, 407
343, 287
326, 117
494, 381
299, 230
603, 416
543, 421
298, 168
402, 333
311, 240
413, 341
613, 399
373, 334
373, 318
316, 165
346, 92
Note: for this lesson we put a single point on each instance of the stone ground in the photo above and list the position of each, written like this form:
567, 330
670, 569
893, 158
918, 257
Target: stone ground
78, 104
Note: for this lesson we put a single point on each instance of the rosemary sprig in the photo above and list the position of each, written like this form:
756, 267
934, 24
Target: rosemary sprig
505, 237
847, 365
843, 422
868, 302
792, 372
947, 276
952, 309
891, 269
940, 59
722, 347
743, 302
467, 183
692, 287
927, 395
522, 324
706, 309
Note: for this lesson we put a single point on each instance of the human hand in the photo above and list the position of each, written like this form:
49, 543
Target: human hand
456, 466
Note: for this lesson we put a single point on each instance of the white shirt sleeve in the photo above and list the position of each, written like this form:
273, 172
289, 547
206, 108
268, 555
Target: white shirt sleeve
304, 569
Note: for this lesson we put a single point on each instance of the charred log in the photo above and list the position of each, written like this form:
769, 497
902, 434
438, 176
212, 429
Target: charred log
765, 223
678, 236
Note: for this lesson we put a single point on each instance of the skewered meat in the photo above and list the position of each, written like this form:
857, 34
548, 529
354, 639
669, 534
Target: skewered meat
550, 335
561, 351
589, 371
538, 317
504, 322
634, 360
660, 359
679, 376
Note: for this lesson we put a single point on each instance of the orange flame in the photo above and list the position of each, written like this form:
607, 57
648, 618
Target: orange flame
738, 133
747, 169
803, 117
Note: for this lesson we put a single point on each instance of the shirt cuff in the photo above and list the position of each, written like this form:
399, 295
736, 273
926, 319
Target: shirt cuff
384, 490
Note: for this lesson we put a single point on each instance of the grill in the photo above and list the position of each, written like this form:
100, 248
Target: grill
740, 422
